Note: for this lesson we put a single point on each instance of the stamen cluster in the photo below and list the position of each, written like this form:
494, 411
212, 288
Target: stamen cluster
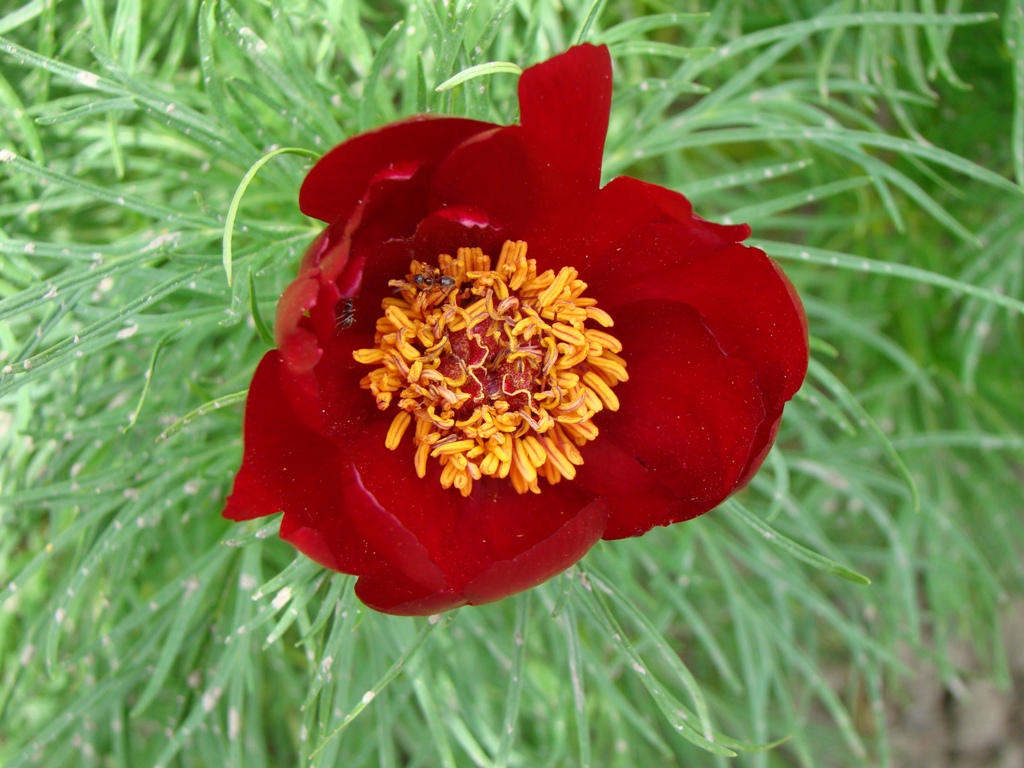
496, 366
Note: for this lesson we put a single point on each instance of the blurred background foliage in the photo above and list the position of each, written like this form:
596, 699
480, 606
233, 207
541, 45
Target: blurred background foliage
875, 146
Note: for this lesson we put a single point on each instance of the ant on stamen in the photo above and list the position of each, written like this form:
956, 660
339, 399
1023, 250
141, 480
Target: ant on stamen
429, 280
347, 316
426, 282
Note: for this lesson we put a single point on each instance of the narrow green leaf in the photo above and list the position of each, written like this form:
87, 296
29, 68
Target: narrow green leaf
148, 379
576, 675
203, 410
400, 663
675, 714
16, 18
236, 200
874, 266
262, 328
652, 48
369, 104
818, 371
1013, 31
515, 680
796, 550
634, 28
479, 70
592, 15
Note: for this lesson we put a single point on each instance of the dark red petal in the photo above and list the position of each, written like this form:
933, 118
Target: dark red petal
288, 467
389, 591
540, 178
310, 542
741, 294
299, 349
417, 510
689, 413
507, 524
617, 246
564, 105
748, 305
463, 535
335, 185
392, 205
496, 173
763, 442
432, 541
342, 403
544, 560
386, 531
370, 243
376, 233
448, 229
753, 312
627, 485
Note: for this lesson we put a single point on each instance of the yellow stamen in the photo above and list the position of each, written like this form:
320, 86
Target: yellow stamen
420, 460
572, 356
600, 316
368, 356
398, 426
601, 388
399, 319
605, 340
609, 367
554, 290
568, 334
454, 447
498, 366
535, 450
557, 459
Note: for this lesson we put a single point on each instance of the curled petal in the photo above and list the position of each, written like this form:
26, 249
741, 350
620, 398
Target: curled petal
538, 179
370, 243
299, 349
335, 185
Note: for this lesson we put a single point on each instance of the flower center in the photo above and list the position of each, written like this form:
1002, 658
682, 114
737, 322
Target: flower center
496, 366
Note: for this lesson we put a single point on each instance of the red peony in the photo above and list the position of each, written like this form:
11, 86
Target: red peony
488, 362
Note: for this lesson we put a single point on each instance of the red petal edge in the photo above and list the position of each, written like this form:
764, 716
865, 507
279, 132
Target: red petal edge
288, 467
335, 185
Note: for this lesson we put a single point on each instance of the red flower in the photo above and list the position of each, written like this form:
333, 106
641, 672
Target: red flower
420, 306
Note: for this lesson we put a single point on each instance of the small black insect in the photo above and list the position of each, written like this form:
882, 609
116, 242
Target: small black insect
347, 316
427, 282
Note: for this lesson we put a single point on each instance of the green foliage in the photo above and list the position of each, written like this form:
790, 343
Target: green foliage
875, 148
